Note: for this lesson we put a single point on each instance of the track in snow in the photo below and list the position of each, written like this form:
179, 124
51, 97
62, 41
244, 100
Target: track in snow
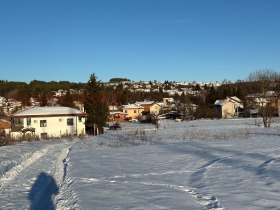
38, 182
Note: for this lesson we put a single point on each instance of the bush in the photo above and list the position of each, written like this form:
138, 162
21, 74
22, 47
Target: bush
206, 111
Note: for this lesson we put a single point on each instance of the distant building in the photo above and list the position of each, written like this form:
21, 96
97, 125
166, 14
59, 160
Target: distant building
5, 126
230, 107
150, 107
256, 101
133, 111
117, 116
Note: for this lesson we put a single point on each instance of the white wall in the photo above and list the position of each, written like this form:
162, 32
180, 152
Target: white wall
57, 126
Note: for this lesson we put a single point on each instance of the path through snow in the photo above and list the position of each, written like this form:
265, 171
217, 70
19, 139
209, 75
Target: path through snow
34, 182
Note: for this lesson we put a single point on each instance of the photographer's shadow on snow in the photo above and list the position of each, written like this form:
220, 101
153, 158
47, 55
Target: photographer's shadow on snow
42, 191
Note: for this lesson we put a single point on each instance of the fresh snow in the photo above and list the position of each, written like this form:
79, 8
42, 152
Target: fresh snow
206, 164
59, 110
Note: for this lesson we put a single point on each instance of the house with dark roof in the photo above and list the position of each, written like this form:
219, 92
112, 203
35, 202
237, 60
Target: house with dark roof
48, 122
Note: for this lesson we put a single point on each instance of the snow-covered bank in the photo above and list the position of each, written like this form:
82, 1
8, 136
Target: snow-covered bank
222, 164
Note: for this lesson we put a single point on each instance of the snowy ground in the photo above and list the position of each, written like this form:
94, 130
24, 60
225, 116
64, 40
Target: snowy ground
214, 164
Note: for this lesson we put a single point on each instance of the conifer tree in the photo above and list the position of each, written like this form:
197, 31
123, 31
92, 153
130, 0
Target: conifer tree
96, 105
43, 100
67, 100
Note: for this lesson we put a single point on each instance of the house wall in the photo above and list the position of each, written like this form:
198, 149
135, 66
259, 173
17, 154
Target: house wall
146, 107
155, 109
228, 110
117, 117
133, 113
56, 126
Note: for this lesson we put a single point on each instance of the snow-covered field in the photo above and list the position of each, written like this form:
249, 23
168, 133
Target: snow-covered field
214, 164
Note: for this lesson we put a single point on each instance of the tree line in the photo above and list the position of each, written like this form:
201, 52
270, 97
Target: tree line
97, 97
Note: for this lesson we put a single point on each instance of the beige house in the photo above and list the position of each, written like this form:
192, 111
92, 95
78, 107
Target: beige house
155, 109
230, 107
150, 107
133, 111
48, 122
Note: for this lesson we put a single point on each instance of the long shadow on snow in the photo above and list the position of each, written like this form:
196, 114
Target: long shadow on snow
42, 192
227, 157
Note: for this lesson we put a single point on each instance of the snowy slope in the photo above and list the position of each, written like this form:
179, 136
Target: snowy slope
221, 164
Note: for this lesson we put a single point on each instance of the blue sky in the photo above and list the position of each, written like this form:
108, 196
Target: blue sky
175, 40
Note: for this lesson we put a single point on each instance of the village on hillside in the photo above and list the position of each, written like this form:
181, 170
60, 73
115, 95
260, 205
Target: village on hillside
62, 113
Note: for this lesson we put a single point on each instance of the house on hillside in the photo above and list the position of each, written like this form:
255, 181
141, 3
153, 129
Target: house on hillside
168, 101
150, 107
133, 111
5, 126
117, 116
230, 107
48, 122
257, 101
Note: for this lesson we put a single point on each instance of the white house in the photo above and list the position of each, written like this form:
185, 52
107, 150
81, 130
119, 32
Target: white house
48, 122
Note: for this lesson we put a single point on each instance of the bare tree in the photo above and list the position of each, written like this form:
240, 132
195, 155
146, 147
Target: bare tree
264, 93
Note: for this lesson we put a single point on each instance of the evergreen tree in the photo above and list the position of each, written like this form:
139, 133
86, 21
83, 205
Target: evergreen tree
121, 94
43, 100
212, 95
96, 105
67, 100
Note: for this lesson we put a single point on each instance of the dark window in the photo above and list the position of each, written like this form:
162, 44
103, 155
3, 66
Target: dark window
70, 121
28, 121
43, 123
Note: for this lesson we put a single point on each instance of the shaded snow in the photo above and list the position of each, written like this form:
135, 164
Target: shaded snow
214, 164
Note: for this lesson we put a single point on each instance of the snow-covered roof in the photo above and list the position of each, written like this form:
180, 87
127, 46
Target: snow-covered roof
265, 94
219, 102
231, 99
236, 99
49, 111
6, 121
111, 113
144, 102
133, 106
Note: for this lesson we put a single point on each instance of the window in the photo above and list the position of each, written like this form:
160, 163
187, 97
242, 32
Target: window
134, 111
43, 123
70, 121
28, 121
80, 119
